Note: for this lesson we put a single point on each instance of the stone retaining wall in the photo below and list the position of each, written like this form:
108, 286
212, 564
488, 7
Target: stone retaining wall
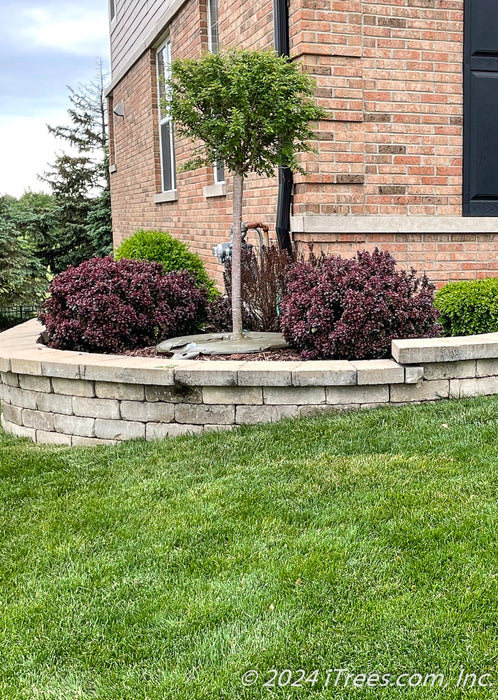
70, 398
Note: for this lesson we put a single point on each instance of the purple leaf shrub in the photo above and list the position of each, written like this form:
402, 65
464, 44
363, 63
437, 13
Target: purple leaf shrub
353, 308
107, 305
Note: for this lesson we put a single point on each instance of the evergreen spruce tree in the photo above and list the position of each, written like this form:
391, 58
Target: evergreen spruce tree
80, 182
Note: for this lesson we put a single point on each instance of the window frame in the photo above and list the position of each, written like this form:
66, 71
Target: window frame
163, 70
214, 47
211, 46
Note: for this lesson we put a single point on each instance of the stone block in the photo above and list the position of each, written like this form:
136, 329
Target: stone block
413, 374
119, 429
33, 383
4, 361
68, 367
255, 373
255, 415
218, 428
133, 370
28, 363
208, 373
18, 430
9, 378
324, 373
450, 370
342, 395
159, 412
159, 431
294, 395
122, 392
313, 411
371, 406
476, 386
423, 391
55, 403
428, 350
486, 368
203, 414
73, 387
174, 394
49, 438
38, 419
19, 397
78, 441
379, 372
232, 395
74, 425
12, 413
96, 408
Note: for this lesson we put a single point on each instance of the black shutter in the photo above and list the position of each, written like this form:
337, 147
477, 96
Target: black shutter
480, 157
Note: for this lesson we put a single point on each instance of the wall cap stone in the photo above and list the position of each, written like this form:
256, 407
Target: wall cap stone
321, 223
429, 350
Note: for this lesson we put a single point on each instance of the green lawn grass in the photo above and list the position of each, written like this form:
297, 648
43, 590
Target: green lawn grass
364, 541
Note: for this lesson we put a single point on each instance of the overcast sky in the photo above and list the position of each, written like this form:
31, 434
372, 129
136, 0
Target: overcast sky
45, 45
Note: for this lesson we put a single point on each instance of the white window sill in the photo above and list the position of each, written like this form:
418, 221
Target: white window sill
171, 196
113, 168
218, 190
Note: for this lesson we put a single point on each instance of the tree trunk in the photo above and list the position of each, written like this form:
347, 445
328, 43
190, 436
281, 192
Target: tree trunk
238, 189
104, 137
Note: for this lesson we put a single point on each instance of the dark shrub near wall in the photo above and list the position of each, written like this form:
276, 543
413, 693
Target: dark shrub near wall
107, 305
353, 308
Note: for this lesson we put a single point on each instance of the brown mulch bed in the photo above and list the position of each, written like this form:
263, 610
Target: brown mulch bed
286, 354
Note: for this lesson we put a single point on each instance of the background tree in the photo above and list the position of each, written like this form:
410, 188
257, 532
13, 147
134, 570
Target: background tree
80, 182
34, 216
23, 278
250, 109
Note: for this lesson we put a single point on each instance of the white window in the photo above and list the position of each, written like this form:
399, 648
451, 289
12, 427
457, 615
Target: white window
214, 47
168, 174
213, 35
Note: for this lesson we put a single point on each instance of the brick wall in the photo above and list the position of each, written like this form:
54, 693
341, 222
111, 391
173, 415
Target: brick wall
443, 256
389, 74
201, 221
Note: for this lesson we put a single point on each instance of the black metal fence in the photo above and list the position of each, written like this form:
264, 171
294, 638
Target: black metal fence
13, 315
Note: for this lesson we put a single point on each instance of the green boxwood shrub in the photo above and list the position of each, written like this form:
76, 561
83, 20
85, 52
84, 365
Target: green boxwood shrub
468, 307
162, 247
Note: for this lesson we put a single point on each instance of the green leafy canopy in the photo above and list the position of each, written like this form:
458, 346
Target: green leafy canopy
250, 109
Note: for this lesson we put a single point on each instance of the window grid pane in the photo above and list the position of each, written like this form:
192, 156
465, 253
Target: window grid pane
213, 35
168, 175
214, 47
219, 171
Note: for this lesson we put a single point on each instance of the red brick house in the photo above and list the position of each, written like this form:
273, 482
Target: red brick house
407, 159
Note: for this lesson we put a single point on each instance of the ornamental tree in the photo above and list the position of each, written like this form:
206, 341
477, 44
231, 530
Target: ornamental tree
250, 109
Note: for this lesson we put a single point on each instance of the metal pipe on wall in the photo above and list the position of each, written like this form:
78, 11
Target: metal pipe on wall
285, 177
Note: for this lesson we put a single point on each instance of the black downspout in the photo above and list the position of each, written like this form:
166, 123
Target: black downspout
285, 178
